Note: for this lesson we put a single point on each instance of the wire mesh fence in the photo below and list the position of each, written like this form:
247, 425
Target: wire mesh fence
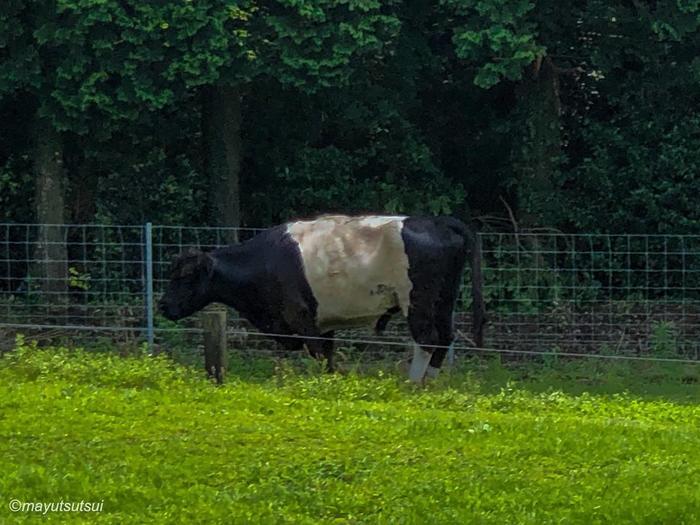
547, 292
629, 294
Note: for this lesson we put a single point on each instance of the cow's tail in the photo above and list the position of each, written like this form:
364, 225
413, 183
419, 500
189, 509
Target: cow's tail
470, 233
478, 307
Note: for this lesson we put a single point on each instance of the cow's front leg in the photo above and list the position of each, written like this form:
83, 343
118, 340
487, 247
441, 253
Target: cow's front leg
328, 351
322, 348
303, 322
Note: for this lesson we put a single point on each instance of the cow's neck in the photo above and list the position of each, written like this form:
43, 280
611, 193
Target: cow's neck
232, 282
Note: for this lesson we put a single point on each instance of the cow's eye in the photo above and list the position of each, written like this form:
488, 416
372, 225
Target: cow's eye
187, 278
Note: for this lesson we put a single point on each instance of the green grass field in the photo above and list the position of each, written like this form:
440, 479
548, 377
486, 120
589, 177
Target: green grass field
566, 442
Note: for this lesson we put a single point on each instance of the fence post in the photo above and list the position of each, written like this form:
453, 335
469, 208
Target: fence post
214, 327
149, 285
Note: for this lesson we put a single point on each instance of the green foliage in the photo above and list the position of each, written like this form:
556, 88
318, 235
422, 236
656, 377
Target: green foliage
664, 339
16, 185
428, 107
157, 443
125, 57
499, 36
328, 176
630, 144
650, 188
78, 279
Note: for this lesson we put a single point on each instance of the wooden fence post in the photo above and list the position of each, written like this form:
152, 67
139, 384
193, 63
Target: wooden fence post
214, 326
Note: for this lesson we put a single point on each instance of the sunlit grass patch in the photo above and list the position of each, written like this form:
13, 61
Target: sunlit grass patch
487, 443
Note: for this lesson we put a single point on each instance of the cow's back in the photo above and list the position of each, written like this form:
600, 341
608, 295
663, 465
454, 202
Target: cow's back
357, 267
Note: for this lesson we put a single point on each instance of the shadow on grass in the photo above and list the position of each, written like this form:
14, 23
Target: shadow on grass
675, 382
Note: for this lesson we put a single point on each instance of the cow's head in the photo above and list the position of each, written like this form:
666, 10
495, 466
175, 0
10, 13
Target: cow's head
189, 289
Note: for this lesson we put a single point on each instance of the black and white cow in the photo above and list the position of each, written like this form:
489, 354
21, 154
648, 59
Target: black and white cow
311, 277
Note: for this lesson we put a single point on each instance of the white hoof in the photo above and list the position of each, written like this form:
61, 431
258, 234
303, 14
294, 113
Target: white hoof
419, 365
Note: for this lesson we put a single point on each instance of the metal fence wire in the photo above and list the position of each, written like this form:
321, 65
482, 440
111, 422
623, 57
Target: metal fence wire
632, 295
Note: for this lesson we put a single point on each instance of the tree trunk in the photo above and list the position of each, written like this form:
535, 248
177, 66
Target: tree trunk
50, 256
222, 144
537, 158
82, 205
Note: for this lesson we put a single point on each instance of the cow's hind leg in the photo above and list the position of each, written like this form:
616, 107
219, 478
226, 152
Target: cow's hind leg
444, 326
444, 319
424, 336
380, 326
433, 335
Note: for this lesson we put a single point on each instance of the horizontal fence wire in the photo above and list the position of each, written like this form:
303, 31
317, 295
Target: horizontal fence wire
571, 294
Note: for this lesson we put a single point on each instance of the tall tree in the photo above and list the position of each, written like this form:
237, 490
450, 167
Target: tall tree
586, 74
31, 63
575, 112
159, 54
221, 115
501, 37
51, 255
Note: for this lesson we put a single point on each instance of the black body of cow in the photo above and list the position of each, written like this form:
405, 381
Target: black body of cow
264, 280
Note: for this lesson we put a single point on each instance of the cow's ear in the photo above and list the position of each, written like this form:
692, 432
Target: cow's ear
185, 264
206, 263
